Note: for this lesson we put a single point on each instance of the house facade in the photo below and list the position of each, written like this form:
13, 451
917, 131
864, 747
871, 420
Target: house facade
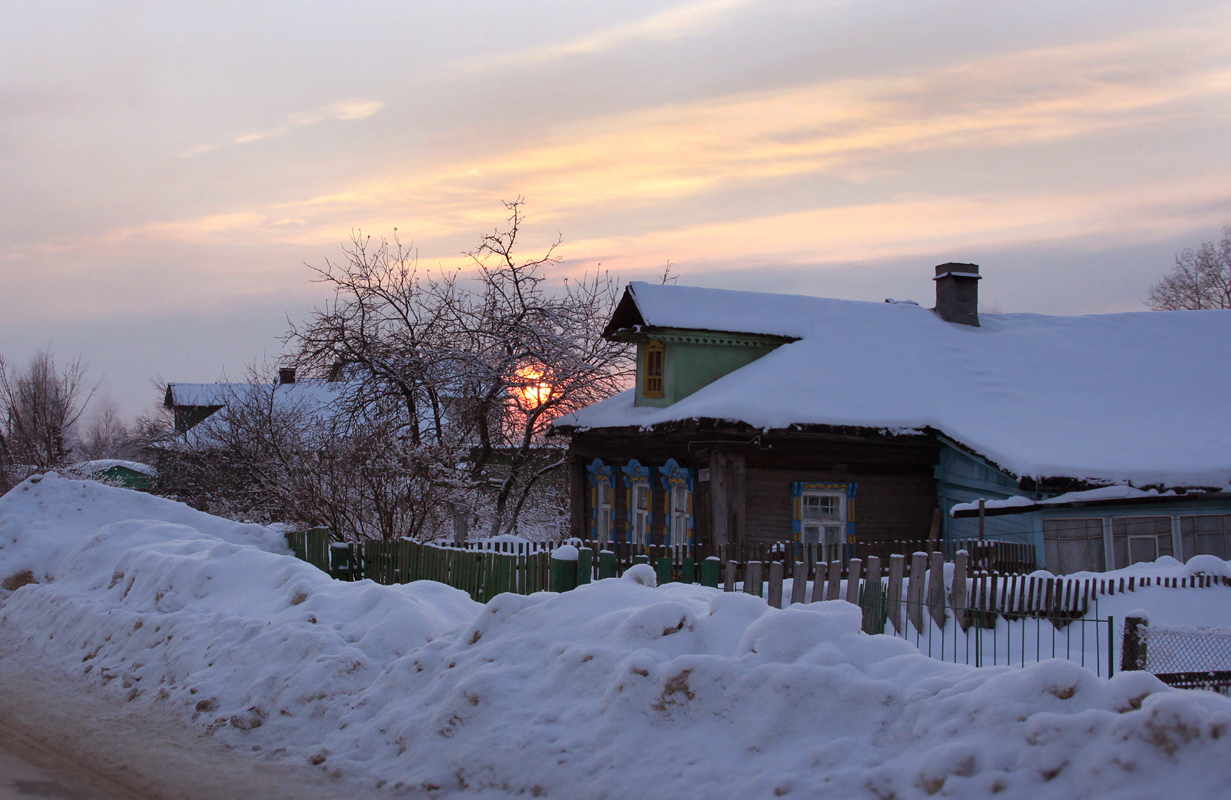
766, 418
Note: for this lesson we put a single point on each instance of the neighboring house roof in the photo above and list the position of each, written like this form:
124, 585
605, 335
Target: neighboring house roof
1114, 496
216, 395
1136, 397
104, 464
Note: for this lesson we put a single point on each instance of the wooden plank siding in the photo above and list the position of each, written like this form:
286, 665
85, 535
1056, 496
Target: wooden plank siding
897, 489
897, 506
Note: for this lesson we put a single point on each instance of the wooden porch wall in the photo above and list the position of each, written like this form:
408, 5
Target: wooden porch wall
748, 496
886, 506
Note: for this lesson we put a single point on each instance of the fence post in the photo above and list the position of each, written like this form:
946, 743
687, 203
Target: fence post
606, 564
1133, 652
834, 589
729, 584
936, 588
818, 581
339, 561
873, 598
893, 598
854, 571
752, 578
914, 590
960, 561
775, 584
564, 568
799, 583
688, 570
710, 568
585, 565
664, 570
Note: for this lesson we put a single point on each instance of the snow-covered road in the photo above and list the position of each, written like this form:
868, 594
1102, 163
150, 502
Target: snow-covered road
66, 740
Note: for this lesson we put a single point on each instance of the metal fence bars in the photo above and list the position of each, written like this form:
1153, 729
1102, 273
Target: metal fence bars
984, 637
1183, 656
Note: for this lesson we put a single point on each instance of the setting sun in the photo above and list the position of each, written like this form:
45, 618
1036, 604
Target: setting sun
532, 388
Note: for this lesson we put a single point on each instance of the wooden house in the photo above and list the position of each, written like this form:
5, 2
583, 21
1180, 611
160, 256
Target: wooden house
762, 418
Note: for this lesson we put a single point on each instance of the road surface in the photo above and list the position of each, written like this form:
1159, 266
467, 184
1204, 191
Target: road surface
59, 735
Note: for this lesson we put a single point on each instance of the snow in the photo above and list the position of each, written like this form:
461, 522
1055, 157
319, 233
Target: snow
220, 394
1102, 493
618, 689
1110, 398
104, 464
45, 517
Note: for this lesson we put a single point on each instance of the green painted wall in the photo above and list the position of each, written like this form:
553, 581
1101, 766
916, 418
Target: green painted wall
694, 359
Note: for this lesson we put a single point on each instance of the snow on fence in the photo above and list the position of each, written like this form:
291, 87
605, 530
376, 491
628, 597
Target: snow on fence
1183, 656
989, 555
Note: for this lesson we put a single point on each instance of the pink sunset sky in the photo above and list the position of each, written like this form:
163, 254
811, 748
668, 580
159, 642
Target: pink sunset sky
168, 169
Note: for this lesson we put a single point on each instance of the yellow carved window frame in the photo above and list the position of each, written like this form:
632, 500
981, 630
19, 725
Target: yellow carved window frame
652, 386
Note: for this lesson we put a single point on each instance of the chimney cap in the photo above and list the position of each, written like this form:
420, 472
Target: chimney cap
286, 375
957, 270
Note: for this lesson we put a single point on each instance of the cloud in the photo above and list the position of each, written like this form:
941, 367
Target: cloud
693, 19
343, 110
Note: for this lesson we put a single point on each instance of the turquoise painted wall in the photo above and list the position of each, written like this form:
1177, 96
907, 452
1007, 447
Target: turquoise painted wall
964, 478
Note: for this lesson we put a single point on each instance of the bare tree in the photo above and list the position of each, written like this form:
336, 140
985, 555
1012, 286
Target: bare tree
296, 453
1201, 278
470, 371
38, 409
104, 434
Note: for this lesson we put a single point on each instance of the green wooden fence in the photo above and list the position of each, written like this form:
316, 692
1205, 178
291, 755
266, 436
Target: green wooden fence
482, 575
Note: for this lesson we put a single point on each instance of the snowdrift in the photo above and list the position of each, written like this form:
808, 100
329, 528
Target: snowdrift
618, 689
46, 516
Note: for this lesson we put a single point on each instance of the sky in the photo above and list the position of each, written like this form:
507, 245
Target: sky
170, 170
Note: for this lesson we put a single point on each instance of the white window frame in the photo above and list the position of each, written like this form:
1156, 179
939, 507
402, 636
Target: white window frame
641, 516
604, 510
679, 519
837, 524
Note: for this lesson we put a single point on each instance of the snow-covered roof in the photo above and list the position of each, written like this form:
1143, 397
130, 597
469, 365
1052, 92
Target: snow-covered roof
1136, 397
218, 394
104, 464
1103, 495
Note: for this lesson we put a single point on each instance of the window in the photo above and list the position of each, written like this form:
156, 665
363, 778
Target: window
1073, 545
1137, 539
824, 518
679, 515
653, 384
641, 512
604, 512
1208, 534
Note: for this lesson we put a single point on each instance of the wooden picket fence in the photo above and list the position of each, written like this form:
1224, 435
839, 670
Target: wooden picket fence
482, 573
1005, 558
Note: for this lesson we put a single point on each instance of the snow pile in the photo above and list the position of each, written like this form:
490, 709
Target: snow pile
617, 689
1106, 398
43, 518
227, 631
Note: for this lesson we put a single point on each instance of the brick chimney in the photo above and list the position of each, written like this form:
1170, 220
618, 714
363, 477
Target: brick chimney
286, 375
957, 293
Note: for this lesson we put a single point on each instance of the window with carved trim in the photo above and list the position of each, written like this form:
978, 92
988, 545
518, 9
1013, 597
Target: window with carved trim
652, 386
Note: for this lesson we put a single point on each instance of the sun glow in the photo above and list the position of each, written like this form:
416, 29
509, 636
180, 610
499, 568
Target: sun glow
531, 387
